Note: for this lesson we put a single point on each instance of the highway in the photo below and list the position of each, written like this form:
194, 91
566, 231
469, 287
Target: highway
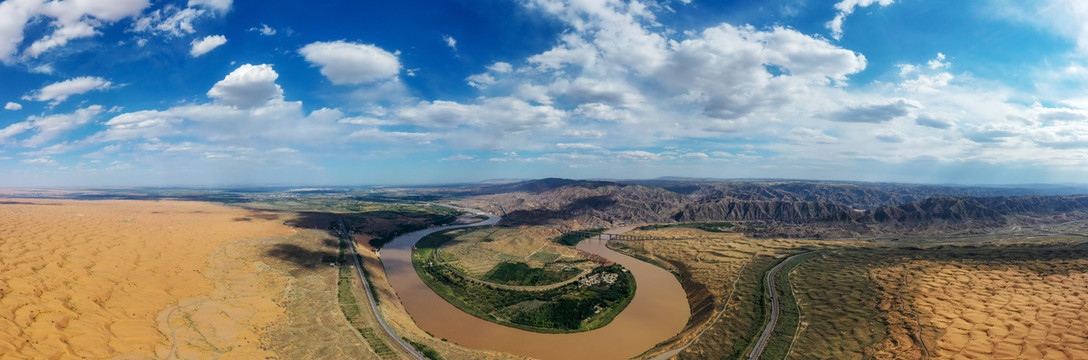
346, 234
773, 320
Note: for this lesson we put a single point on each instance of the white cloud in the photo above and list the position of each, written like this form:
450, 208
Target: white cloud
48, 128
695, 155
638, 155
500, 67
68, 20
170, 20
450, 41
480, 81
927, 83
13, 106
493, 114
938, 62
576, 146
351, 63
459, 157
809, 136
60, 91
365, 120
264, 30
249, 108
587, 134
248, 86
203, 46
845, 8
1067, 18
39, 161
43, 69
217, 5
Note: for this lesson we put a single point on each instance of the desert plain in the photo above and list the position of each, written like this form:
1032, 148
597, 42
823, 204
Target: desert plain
142, 279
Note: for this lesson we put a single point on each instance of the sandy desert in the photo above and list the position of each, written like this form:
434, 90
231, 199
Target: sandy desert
138, 279
973, 310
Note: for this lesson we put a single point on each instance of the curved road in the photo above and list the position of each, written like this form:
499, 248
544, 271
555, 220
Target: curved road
773, 320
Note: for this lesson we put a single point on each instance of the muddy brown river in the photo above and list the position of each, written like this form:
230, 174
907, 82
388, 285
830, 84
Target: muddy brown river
658, 311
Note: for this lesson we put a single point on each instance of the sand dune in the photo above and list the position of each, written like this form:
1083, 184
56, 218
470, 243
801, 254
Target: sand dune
978, 311
135, 278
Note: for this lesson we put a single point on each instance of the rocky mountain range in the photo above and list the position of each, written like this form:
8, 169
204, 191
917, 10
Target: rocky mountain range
843, 205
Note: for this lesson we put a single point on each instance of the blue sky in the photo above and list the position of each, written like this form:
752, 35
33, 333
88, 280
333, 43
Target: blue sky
216, 92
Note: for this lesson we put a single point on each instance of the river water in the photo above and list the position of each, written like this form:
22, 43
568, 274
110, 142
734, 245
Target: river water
658, 311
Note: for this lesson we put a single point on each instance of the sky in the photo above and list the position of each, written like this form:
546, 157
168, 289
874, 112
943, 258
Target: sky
218, 92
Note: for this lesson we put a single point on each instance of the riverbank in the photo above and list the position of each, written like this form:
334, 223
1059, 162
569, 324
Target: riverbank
658, 311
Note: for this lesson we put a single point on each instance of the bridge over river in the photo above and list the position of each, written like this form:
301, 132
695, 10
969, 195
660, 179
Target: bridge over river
608, 235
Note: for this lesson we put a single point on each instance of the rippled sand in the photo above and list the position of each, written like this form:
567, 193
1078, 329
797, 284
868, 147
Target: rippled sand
973, 311
134, 278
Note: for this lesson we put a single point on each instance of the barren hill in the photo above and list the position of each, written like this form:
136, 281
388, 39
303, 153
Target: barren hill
605, 203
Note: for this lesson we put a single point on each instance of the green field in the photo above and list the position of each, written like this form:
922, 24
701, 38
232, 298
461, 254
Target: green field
705, 226
519, 273
569, 308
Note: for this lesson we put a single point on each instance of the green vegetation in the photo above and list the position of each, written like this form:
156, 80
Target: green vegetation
778, 344
743, 317
385, 226
569, 308
835, 292
572, 239
423, 349
704, 226
519, 273
347, 295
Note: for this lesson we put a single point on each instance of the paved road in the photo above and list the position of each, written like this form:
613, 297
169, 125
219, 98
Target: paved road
366, 284
773, 320
370, 297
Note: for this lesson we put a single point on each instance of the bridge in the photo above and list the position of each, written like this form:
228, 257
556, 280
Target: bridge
619, 237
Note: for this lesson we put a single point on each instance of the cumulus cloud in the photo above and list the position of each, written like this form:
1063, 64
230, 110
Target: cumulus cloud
249, 108
60, 91
726, 68
208, 43
351, 63
13, 106
847, 7
503, 114
248, 86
